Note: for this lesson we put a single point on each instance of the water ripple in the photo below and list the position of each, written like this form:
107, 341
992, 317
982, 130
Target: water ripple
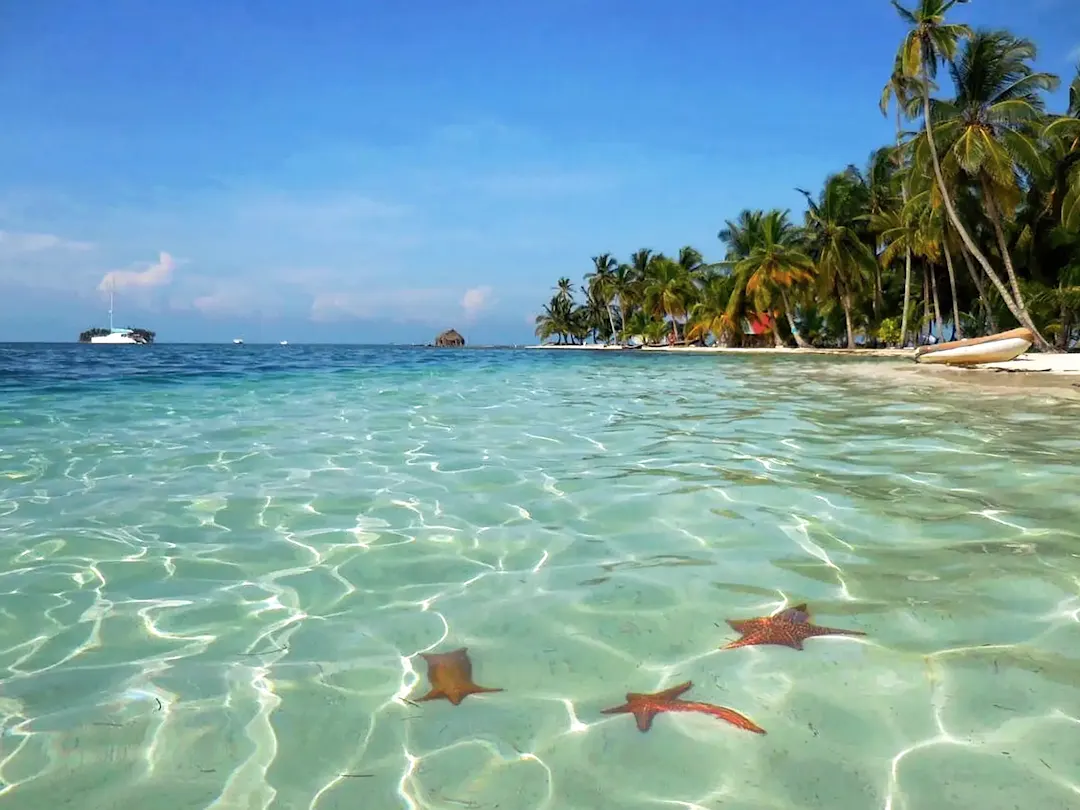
221, 566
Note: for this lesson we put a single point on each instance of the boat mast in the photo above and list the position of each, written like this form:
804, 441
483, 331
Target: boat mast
112, 290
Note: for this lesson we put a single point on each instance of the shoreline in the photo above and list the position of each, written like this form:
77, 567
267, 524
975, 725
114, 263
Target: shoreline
1028, 370
594, 347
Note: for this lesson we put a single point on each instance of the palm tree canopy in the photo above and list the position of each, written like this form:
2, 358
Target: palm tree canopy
989, 128
931, 40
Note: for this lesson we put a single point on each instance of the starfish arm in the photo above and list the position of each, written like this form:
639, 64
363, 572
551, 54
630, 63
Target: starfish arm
476, 690
434, 694
624, 709
742, 642
721, 712
644, 717
814, 630
673, 692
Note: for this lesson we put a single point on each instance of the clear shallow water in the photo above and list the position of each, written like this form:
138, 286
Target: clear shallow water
218, 566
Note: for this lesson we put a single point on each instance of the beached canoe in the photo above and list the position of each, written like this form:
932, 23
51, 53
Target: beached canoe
990, 349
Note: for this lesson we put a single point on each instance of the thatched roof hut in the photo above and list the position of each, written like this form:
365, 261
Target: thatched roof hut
451, 337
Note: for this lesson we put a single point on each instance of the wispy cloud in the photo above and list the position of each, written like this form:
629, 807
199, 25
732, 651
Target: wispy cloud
1074, 54
432, 305
476, 300
14, 242
329, 211
157, 274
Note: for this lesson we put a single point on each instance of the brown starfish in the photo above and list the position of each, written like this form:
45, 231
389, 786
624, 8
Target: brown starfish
789, 628
645, 707
450, 675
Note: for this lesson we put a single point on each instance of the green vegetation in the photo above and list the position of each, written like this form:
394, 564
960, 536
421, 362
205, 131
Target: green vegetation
140, 335
972, 218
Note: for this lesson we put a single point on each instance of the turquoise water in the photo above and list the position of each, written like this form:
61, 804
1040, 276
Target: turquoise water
220, 565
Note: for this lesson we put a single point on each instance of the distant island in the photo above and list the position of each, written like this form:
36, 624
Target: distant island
98, 334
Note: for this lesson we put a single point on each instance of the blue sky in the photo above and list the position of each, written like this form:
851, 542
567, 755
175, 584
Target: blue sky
357, 171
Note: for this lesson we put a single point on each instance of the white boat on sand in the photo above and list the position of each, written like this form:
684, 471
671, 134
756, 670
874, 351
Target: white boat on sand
972, 351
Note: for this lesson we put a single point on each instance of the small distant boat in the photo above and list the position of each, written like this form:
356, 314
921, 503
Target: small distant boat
238, 341
284, 343
972, 351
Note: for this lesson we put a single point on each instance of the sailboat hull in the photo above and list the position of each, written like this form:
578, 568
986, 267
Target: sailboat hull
115, 338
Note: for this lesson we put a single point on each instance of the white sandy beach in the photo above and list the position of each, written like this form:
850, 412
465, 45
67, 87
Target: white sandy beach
1067, 365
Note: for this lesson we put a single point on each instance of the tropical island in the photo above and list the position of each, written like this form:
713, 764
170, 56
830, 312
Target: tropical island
967, 224
98, 334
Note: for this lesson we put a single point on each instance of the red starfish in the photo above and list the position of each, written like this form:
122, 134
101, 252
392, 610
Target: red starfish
789, 627
645, 707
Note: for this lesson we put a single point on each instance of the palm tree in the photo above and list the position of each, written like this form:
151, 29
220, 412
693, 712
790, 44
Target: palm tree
740, 236
1065, 132
844, 262
930, 41
668, 291
623, 289
707, 315
692, 262
601, 283
564, 289
557, 318
990, 135
905, 91
774, 267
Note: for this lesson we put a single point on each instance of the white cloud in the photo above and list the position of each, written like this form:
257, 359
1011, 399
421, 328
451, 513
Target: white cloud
156, 275
476, 300
13, 242
1074, 54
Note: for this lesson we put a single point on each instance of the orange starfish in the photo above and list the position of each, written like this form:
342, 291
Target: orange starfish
645, 707
789, 628
450, 675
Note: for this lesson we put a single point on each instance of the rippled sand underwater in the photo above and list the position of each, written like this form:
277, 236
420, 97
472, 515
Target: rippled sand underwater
220, 567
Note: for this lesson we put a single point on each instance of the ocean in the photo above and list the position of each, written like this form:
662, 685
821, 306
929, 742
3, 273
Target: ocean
221, 568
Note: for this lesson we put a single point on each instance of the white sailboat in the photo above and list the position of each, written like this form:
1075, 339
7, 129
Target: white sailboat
115, 336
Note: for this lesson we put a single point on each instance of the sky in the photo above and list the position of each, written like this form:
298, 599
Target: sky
364, 172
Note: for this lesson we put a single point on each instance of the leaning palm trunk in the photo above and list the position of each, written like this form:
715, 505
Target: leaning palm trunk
1062, 342
611, 320
845, 299
800, 341
954, 218
995, 220
984, 301
957, 331
925, 300
907, 297
937, 305
907, 252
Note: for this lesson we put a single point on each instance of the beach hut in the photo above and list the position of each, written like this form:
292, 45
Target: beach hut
451, 337
758, 330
